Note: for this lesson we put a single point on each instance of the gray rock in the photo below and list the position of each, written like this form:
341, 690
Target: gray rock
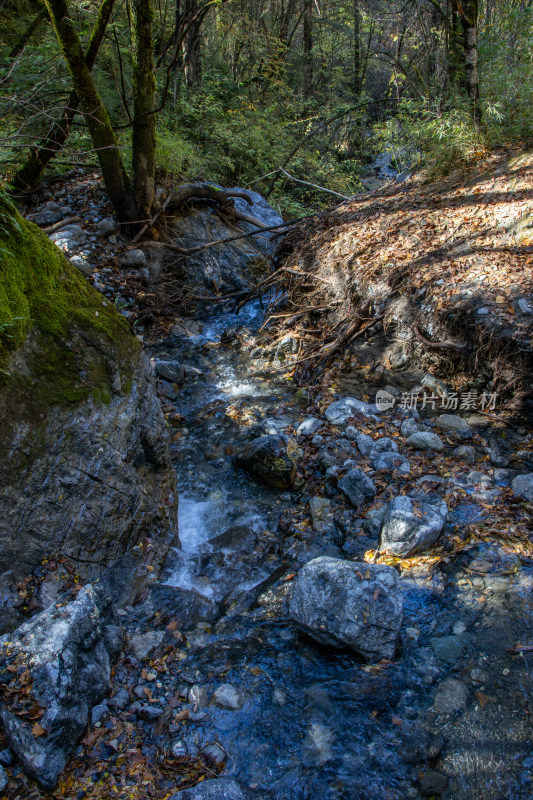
142, 644
320, 508
339, 413
391, 461
374, 520
167, 389
150, 713
452, 696
448, 648
270, 460
410, 426
465, 453
69, 652
317, 440
349, 604
432, 783
132, 258
214, 753
214, 789
106, 226
228, 696
71, 233
82, 264
409, 528
3, 779
309, 426
523, 486
425, 440
99, 712
170, 370
357, 487
351, 433
178, 749
198, 696
120, 700
365, 443
525, 306
383, 445
6, 757
454, 423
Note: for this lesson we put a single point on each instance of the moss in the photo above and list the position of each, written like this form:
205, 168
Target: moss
79, 340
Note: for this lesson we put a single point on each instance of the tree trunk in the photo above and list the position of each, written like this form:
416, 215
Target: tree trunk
29, 175
103, 137
467, 11
192, 49
357, 76
308, 50
144, 88
28, 33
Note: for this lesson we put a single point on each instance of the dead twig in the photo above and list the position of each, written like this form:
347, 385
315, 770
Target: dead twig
62, 224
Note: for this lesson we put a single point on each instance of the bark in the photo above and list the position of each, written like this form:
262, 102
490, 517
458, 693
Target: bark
357, 76
144, 88
103, 137
308, 50
29, 175
467, 13
192, 48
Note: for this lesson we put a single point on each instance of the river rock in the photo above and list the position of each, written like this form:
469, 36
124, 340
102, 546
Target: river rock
270, 460
132, 258
142, 644
425, 440
320, 508
357, 487
170, 370
67, 654
523, 486
215, 789
341, 411
454, 423
452, 696
86, 471
229, 697
309, 426
349, 604
409, 528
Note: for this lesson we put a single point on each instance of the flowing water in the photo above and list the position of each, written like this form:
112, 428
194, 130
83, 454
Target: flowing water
313, 722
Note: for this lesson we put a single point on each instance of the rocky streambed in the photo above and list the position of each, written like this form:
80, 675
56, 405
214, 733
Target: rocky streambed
396, 664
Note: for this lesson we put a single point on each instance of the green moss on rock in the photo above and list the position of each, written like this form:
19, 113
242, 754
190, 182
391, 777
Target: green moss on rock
80, 344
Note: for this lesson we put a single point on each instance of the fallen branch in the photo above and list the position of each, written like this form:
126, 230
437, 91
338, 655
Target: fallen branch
314, 185
205, 191
62, 224
458, 348
151, 223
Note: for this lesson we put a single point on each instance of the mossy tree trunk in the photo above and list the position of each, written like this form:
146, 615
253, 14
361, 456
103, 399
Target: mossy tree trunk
29, 175
144, 89
103, 137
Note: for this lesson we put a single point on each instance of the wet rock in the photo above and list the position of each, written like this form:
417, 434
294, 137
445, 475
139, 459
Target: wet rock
452, 696
349, 604
142, 644
167, 389
198, 696
271, 460
425, 440
320, 508
309, 426
341, 411
465, 453
186, 605
523, 486
68, 651
449, 648
228, 696
432, 783
214, 753
133, 259
214, 789
409, 528
170, 370
357, 487
455, 424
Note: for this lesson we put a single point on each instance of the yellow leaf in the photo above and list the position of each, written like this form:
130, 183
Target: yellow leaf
38, 730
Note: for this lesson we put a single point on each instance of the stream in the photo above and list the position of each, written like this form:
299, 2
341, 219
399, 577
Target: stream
305, 721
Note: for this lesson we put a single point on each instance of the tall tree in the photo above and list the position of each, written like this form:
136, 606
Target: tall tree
467, 12
308, 50
103, 137
144, 89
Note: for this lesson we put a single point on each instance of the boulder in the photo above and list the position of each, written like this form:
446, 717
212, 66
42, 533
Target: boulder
349, 604
523, 486
341, 411
271, 460
215, 789
61, 661
86, 471
410, 527
357, 487
170, 370
425, 440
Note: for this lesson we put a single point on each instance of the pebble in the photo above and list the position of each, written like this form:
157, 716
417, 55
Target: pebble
149, 713
178, 749
229, 697
198, 696
120, 700
215, 753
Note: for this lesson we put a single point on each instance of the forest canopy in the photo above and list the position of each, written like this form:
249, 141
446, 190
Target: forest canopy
229, 91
